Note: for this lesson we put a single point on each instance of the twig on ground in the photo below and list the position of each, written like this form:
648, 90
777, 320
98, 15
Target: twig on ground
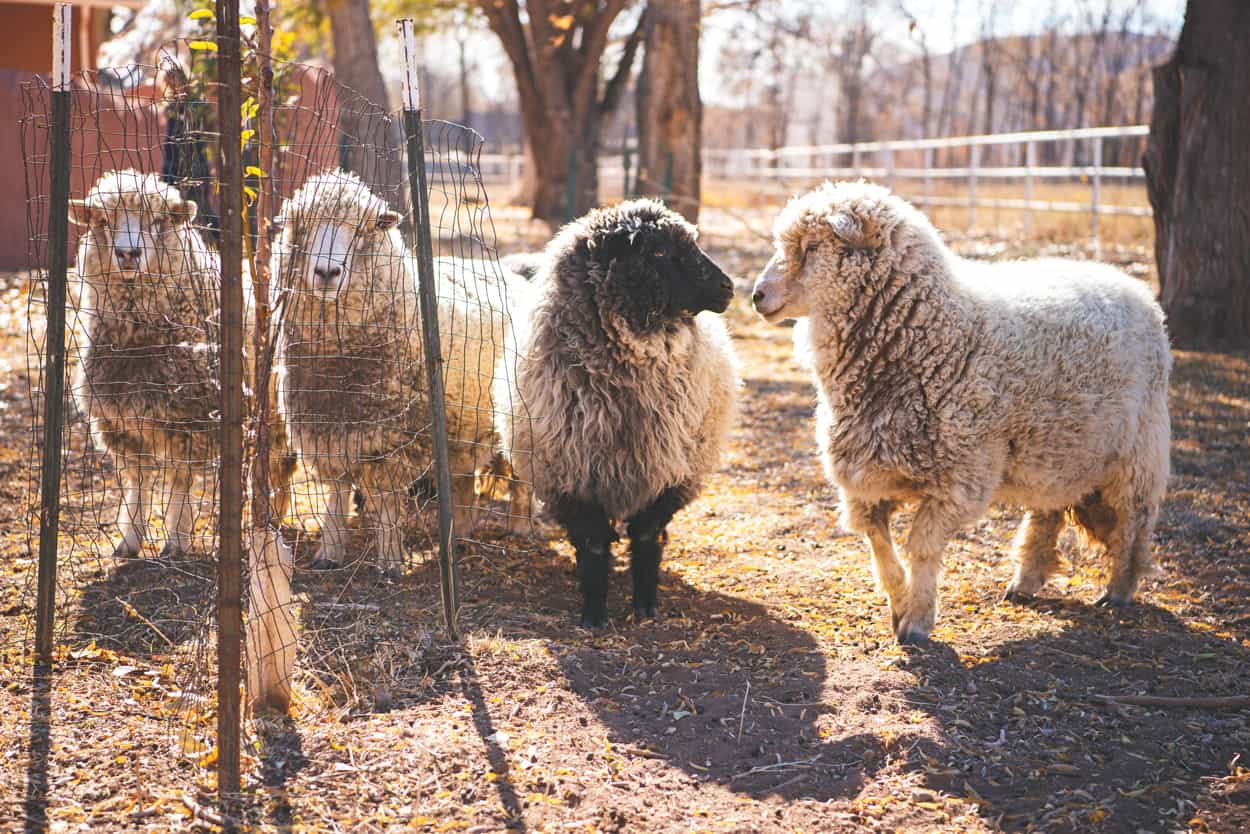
1195, 702
743, 716
778, 766
134, 612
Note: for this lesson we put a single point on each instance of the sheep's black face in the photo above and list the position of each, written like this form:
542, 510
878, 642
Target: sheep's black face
654, 273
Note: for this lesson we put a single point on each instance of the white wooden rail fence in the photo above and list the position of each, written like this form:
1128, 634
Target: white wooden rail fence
782, 171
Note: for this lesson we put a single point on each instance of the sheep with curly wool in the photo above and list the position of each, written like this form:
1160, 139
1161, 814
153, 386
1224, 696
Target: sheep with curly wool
948, 384
352, 379
626, 385
147, 379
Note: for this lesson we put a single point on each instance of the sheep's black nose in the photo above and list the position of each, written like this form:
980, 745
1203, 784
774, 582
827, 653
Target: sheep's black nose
757, 296
325, 273
128, 253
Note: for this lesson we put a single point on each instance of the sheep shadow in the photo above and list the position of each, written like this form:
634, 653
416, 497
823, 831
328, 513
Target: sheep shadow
146, 606
720, 687
1023, 734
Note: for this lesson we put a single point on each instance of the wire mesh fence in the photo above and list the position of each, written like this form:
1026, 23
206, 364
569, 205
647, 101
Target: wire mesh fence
342, 586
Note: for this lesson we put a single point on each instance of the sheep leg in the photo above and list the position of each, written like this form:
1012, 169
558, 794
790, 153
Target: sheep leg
132, 515
391, 530
178, 514
873, 520
647, 536
463, 491
333, 526
935, 522
590, 531
1128, 552
1037, 553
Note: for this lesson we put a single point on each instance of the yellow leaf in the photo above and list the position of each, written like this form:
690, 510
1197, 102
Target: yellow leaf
201, 14
209, 758
203, 46
247, 20
563, 23
253, 171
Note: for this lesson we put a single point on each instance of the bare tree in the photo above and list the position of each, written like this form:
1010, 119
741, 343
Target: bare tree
557, 50
356, 66
1198, 174
670, 111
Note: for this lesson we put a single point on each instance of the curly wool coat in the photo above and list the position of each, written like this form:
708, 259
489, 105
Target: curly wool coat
609, 414
353, 382
148, 376
949, 384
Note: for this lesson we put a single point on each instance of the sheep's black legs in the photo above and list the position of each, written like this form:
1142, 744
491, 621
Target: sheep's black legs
647, 537
590, 531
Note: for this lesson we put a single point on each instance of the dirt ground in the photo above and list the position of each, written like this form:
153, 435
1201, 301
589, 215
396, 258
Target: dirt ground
770, 697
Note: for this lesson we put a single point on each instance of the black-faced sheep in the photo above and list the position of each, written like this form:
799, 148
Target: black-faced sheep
353, 385
949, 384
147, 377
626, 387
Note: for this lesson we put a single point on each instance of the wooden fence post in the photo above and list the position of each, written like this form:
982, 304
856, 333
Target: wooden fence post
230, 509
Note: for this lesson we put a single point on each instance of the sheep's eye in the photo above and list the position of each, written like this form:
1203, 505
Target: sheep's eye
659, 253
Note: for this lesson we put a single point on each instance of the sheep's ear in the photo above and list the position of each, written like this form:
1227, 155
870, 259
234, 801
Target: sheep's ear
183, 212
81, 212
388, 220
847, 227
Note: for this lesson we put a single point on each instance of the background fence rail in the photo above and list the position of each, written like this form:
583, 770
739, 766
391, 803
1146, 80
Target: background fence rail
915, 166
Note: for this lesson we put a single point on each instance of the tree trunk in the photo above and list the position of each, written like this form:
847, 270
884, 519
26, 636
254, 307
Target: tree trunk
670, 112
369, 144
1197, 165
557, 63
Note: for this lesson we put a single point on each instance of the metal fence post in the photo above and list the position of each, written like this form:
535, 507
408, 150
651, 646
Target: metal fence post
54, 365
974, 153
1030, 162
230, 510
889, 167
429, 322
1096, 195
928, 179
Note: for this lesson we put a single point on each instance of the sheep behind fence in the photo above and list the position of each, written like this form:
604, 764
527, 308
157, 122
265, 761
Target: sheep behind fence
144, 338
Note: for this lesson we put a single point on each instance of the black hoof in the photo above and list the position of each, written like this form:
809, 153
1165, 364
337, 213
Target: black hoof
591, 622
913, 638
646, 612
323, 564
1018, 597
1109, 601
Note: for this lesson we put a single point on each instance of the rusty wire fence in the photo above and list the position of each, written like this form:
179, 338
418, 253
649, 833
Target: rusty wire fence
347, 581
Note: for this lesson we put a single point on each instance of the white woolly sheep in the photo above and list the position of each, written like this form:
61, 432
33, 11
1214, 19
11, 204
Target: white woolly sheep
353, 385
147, 377
625, 388
949, 384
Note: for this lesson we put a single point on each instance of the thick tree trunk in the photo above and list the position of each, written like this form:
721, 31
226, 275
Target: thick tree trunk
370, 145
556, 60
1198, 176
670, 112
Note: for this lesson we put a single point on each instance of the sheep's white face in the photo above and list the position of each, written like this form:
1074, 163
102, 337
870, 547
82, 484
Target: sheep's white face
128, 233
780, 292
324, 257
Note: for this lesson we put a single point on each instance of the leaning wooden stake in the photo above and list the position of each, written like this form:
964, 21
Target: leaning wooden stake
429, 326
230, 509
54, 366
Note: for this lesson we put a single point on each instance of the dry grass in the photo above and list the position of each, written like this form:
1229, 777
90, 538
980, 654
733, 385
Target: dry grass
770, 698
